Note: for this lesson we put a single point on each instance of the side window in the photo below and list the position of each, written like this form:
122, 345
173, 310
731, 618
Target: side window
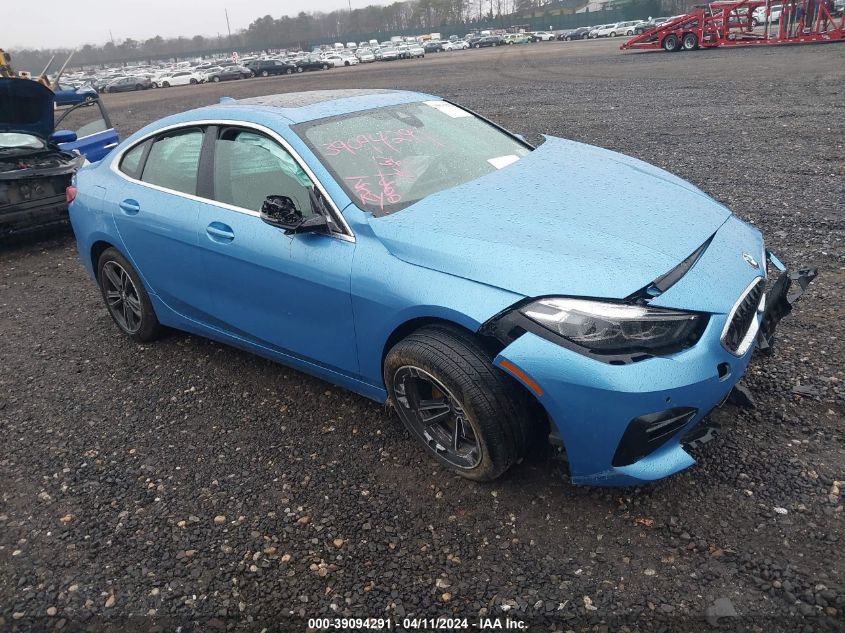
130, 164
85, 120
173, 161
248, 167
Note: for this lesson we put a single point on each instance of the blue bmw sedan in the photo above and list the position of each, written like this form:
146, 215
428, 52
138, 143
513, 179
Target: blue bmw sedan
410, 250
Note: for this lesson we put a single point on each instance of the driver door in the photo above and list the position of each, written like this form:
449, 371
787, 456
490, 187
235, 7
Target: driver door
289, 293
95, 136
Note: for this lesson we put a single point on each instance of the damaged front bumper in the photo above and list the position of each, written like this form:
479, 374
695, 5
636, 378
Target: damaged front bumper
780, 298
632, 423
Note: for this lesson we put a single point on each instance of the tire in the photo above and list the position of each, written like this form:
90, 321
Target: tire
89, 99
215, 79
325, 66
193, 82
165, 84
478, 46
299, 69
568, 38
690, 42
264, 73
671, 43
755, 22
289, 71
139, 87
480, 400
629, 33
613, 34
113, 270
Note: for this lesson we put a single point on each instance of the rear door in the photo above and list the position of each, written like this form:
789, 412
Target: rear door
155, 211
95, 136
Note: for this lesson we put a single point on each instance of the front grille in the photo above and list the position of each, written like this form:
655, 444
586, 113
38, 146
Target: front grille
742, 318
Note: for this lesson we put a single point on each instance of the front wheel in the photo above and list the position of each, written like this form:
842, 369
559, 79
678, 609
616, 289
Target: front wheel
299, 69
671, 43
288, 71
325, 66
193, 82
264, 73
215, 79
165, 84
89, 99
467, 413
690, 42
125, 297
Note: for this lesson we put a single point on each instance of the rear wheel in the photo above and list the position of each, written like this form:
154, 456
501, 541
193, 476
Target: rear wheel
325, 66
299, 69
671, 43
89, 99
467, 413
125, 297
264, 73
215, 79
289, 71
139, 87
193, 82
165, 84
690, 42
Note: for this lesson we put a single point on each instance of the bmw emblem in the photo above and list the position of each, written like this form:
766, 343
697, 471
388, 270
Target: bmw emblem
750, 260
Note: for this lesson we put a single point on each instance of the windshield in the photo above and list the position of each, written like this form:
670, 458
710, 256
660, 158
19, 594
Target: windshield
14, 140
388, 158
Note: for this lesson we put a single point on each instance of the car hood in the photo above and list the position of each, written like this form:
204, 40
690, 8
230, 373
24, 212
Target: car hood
26, 106
568, 219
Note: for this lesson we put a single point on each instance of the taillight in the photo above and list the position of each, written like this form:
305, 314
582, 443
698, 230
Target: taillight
70, 194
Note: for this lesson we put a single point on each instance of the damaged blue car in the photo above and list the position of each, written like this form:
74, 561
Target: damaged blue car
408, 249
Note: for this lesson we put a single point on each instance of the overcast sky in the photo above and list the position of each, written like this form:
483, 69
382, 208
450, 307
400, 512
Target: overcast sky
55, 23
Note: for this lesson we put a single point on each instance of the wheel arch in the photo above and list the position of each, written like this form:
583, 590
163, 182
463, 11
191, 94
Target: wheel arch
97, 249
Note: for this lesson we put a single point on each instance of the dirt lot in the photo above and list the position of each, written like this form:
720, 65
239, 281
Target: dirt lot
117, 459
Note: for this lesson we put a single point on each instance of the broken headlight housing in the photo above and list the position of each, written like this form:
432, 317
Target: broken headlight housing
606, 328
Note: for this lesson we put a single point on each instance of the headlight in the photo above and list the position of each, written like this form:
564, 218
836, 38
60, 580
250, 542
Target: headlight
610, 328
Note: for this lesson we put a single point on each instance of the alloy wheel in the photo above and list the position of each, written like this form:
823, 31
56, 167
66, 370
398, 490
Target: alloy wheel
122, 297
436, 417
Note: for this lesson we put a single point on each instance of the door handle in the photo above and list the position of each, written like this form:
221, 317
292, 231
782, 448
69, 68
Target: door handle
220, 232
130, 207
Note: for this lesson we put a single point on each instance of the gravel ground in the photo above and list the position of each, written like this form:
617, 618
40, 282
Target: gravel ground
198, 484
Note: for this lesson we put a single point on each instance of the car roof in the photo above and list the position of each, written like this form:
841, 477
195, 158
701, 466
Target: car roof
292, 108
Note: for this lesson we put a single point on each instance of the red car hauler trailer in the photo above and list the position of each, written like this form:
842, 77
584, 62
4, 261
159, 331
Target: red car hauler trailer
732, 23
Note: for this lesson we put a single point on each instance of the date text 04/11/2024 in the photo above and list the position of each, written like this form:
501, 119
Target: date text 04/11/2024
415, 624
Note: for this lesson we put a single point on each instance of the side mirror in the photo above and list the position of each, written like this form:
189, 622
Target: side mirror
63, 136
282, 212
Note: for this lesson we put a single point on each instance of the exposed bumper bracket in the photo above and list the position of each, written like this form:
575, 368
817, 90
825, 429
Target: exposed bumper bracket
779, 300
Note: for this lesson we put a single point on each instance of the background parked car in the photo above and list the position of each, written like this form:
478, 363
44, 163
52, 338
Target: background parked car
338, 59
365, 55
543, 36
128, 84
595, 30
387, 54
181, 78
455, 45
312, 62
267, 67
488, 40
71, 95
433, 46
648, 25
758, 17
227, 73
580, 33
517, 38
